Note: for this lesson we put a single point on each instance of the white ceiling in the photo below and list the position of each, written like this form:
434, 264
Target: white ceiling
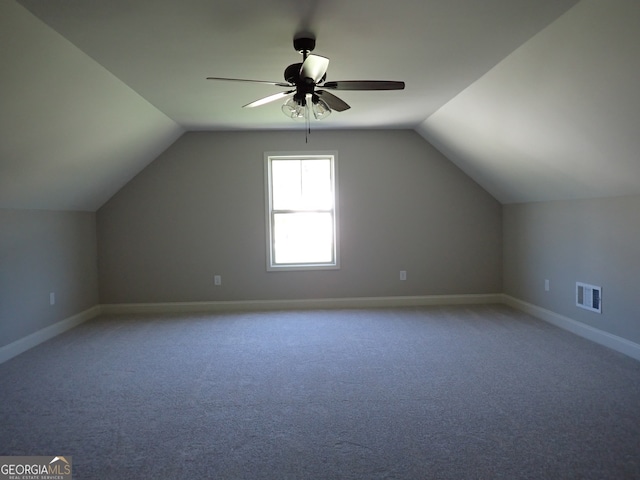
96, 90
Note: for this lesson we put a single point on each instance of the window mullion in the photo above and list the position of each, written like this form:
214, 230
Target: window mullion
328, 210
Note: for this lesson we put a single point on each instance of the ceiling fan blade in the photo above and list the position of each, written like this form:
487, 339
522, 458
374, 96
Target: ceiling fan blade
277, 84
270, 98
334, 102
364, 85
314, 67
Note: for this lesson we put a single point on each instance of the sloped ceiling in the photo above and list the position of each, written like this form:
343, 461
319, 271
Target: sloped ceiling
513, 91
71, 133
559, 118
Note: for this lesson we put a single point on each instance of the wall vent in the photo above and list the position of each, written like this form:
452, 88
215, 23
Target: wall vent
589, 297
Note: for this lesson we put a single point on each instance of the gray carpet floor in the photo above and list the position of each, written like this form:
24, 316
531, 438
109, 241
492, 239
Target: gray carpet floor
481, 392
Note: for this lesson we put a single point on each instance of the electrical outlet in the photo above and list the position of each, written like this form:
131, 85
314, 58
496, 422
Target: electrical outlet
217, 280
52, 298
546, 285
403, 275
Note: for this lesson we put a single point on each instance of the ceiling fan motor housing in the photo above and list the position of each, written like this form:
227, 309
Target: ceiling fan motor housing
292, 72
304, 86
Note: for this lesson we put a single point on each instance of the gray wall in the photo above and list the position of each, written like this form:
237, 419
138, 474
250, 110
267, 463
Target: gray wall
596, 241
198, 210
43, 252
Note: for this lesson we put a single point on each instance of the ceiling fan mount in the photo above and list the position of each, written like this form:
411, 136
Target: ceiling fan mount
304, 44
307, 85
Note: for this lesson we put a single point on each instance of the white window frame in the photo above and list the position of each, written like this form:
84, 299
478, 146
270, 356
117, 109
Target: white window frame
271, 265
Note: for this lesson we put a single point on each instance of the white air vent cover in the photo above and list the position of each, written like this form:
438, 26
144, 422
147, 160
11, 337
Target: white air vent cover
589, 297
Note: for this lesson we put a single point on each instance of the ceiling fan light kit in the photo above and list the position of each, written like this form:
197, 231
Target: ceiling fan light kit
298, 108
292, 109
307, 87
320, 108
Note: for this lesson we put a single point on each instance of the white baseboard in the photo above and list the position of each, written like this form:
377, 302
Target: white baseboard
316, 303
614, 342
22, 345
327, 303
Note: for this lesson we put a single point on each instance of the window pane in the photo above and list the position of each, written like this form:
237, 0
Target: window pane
286, 184
302, 184
316, 185
303, 238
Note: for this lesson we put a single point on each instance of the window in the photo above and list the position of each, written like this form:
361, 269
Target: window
301, 211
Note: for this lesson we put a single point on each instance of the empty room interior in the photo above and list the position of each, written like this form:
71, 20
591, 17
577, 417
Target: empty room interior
415, 254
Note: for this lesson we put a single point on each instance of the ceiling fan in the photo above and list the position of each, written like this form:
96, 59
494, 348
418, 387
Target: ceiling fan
307, 88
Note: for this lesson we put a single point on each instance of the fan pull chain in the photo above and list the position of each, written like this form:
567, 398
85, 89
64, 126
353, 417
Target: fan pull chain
307, 129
